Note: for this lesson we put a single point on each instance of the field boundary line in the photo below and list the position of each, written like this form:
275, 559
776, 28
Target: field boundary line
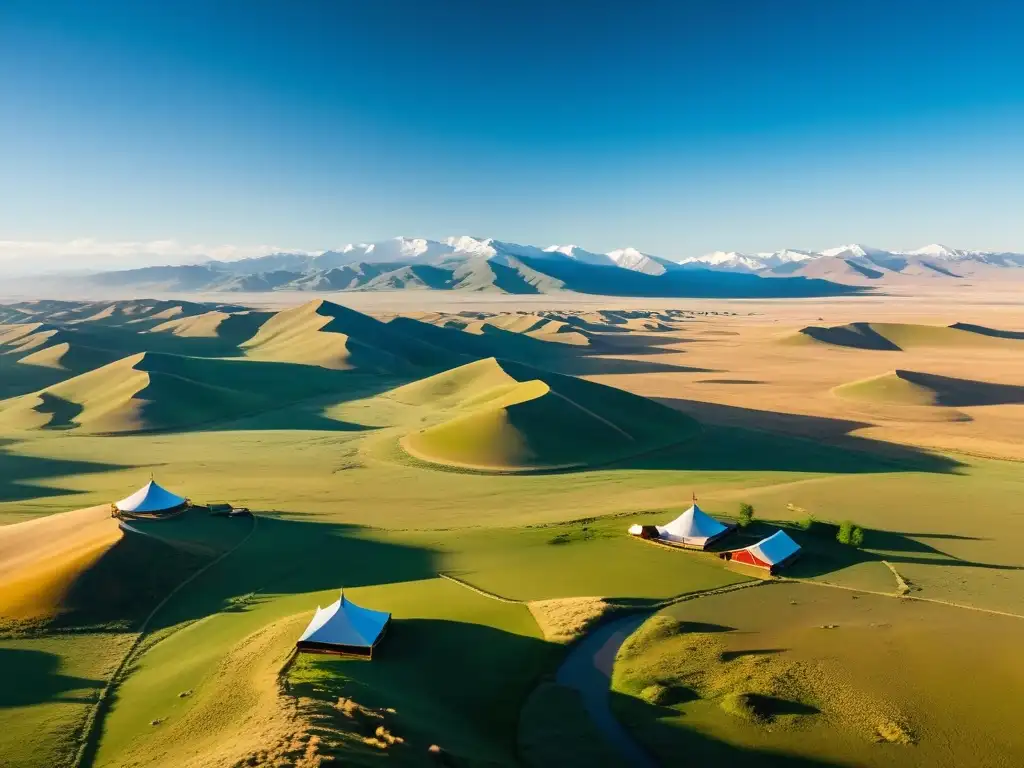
83, 758
655, 606
687, 596
484, 592
902, 588
900, 596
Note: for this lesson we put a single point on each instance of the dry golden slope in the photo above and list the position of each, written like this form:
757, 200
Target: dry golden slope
896, 337
40, 559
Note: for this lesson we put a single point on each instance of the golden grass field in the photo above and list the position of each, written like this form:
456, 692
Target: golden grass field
471, 464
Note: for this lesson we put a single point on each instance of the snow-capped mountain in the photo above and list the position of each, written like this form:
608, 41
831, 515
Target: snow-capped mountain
855, 251
938, 251
732, 261
465, 262
858, 262
638, 261
582, 255
406, 250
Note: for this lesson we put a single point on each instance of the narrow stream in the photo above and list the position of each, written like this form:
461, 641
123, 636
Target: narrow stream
588, 669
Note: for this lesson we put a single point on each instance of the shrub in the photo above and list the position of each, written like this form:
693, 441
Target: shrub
657, 694
743, 706
746, 515
806, 523
850, 534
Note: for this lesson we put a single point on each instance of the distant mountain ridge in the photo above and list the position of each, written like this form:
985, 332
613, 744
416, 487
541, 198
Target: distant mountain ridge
862, 264
463, 263
468, 263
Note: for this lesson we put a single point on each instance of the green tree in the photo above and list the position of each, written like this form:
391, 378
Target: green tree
850, 534
845, 532
746, 515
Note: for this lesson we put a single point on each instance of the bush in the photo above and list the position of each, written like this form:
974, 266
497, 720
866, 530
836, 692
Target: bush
746, 515
806, 523
850, 534
656, 694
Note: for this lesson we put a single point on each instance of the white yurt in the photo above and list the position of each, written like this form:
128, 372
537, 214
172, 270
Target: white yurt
151, 500
344, 628
694, 528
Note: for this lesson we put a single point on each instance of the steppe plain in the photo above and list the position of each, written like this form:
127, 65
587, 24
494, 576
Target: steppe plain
459, 465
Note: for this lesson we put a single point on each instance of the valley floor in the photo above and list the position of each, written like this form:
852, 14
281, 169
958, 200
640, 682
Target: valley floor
173, 645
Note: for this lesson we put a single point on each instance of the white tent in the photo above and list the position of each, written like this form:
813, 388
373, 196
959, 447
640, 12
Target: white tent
151, 499
345, 628
694, 528
771, 553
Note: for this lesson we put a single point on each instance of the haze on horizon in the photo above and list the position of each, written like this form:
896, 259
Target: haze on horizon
168, 133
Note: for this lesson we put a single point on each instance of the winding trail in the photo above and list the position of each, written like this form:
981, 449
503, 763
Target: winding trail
89, 739
588, 669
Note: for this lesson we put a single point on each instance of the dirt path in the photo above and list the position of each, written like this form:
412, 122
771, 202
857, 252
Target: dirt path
588, 669
94, 721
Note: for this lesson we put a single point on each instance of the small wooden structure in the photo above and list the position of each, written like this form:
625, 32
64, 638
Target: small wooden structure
772, 554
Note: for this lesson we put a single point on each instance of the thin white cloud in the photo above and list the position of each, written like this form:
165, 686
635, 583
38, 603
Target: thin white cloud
28, 256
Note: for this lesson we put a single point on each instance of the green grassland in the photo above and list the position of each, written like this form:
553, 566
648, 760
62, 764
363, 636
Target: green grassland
508, 417
309, 422
798, 675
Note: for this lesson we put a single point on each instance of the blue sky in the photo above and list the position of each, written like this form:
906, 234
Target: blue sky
676, 127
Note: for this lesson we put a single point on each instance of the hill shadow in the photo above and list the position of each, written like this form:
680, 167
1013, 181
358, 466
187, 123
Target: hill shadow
440, 676
731, 449
119, 588
824, 555
688, 283
18, 473
853, 335
667, 741
986, 331
583, 365
831, 438
33, 677
293, 556
19, 379
963, 393
523, 348
281, 556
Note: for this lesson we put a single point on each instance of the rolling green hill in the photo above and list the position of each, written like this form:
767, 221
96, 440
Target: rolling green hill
506, 417
154, 391
332, 336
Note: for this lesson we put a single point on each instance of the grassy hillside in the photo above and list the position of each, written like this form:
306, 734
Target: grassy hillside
752, 678
233, 327
507, 417
154, 391
331, 336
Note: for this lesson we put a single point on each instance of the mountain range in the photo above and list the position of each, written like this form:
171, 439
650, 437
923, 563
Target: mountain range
484, 264
861, 264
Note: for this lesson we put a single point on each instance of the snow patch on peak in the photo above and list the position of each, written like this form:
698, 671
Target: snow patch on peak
854, 250
638, 261
939, 251
582, 255
472, 245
